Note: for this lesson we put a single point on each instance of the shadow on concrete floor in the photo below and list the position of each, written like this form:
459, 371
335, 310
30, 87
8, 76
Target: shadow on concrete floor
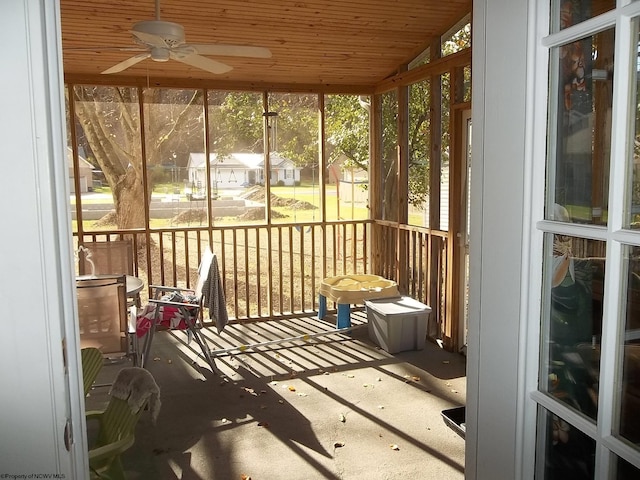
333, 407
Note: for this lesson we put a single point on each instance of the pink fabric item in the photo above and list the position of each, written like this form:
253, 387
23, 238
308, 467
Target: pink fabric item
168, 317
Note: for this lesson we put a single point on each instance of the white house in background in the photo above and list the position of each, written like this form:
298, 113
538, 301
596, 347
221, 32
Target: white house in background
85, 173
240, 169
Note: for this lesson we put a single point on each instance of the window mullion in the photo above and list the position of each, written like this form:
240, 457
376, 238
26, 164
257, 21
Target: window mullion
621, 138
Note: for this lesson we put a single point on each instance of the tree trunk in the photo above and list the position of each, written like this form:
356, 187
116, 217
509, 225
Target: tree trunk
128, 198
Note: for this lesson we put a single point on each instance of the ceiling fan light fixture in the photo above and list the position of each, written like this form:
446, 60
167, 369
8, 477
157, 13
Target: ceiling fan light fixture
159, 54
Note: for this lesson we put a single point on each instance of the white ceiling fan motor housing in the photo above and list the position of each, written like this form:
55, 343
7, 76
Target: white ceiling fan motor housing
171, 33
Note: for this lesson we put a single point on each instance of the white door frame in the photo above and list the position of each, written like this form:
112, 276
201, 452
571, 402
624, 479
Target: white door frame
42, 400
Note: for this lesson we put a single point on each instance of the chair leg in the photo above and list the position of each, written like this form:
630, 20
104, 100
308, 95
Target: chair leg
133, 345
148, 339
200, 340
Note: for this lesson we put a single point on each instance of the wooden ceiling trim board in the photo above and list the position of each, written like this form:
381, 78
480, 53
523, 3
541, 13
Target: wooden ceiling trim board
222, 85
439, 66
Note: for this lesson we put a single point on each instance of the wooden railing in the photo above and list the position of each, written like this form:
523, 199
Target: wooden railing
271, 271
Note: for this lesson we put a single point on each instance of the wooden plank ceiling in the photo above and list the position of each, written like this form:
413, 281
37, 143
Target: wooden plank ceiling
315, 44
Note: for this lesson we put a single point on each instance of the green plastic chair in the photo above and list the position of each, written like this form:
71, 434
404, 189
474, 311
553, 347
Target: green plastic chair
92, 362
118, 421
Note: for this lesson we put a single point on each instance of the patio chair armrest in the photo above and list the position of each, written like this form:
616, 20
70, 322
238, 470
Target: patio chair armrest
105, 452
173, 304
163, 288
94, 414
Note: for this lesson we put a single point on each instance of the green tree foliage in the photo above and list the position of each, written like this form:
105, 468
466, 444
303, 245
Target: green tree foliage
235, 122
347, 127
296, 127
419, 142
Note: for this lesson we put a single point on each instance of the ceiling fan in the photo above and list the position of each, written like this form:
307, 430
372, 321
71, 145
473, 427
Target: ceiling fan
162, 41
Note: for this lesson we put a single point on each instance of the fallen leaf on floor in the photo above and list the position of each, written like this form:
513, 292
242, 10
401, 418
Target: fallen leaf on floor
292, 388
394, 447
250, 390
381, 407
415, 378
378, 379
245, 477
350, 376
224, 420
365, 385
277, 355
156, 359
263, 424
338, 444
342, 418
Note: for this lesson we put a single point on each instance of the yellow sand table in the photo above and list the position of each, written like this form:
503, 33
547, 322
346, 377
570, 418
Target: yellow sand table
355, 289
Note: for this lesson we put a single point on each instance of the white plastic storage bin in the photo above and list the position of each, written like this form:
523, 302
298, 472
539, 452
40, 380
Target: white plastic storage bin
397, 324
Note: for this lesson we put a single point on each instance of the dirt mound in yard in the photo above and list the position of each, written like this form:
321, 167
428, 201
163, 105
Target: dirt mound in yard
190, 216
257, 194
108, 220
258, 214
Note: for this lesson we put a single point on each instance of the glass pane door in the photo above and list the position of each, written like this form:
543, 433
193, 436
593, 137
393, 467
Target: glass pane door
588, 363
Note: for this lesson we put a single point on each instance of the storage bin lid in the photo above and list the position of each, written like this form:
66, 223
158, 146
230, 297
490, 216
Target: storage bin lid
397, 306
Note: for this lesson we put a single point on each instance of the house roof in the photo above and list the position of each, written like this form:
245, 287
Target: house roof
336, 45
238, 160
82, 162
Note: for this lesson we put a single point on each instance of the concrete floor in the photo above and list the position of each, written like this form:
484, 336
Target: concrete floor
333, 407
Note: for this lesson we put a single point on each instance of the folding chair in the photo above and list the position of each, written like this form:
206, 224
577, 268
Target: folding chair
178, 309
103, 317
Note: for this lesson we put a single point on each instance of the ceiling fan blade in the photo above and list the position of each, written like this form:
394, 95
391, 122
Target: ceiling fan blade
232, 50
203, 63
127, 63
150, 39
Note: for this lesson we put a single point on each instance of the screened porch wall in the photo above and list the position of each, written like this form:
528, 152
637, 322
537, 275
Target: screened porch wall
273, 267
